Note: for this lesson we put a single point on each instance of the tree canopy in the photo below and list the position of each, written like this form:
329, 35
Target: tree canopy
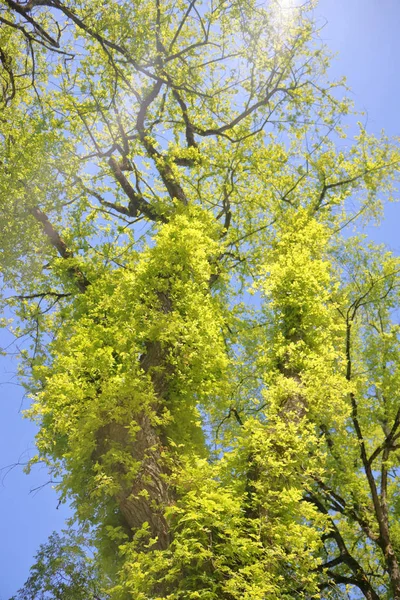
210, 340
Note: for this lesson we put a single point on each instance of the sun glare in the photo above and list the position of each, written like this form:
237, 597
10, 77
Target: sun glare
284, 12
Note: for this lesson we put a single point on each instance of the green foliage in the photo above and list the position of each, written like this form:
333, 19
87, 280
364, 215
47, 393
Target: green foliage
210, 341
63, 571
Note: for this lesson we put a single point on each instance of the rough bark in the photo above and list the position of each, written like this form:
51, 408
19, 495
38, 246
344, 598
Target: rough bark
145, 498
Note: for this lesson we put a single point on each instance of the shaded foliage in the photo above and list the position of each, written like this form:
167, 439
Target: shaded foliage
63, 571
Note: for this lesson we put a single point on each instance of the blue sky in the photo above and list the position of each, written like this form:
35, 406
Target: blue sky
365, 33
365, 36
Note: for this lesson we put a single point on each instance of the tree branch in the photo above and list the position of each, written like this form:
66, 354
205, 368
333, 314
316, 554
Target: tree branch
58, 243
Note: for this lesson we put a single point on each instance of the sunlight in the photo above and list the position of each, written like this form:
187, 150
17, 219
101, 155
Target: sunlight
284, 15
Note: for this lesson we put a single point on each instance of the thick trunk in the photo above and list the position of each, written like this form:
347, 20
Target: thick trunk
144, 499
294, 408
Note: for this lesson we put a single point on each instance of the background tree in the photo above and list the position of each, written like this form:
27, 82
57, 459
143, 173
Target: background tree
63, 570
213, 355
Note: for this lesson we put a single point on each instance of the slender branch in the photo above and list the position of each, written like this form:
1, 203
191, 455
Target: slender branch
58, 243
24, 13
360, 580
390, 438
173, 187
384, 540
56, 295
137, 204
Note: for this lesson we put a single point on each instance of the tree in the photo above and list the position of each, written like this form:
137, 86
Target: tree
214, 348
63, 571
